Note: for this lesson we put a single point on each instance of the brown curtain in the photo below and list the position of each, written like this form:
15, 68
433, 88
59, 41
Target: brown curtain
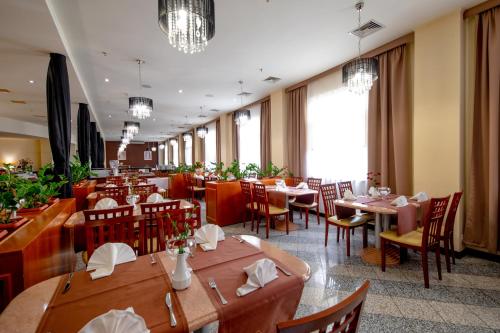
193, 155
265, 133
170, 152
181, 150
390, 122
218, 141
296, 131
483, 179
236, 139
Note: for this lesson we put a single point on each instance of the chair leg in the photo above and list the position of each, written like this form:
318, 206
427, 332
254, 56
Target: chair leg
348, 242
353, 231
365, 235
252, 218
327, 225
258, 222
291, 213
307, 218
438, 261
382, 254
267, 226
286, 217
338, 234
452, 248
343, 233
446, 242
317, 213
300, 210
425, 268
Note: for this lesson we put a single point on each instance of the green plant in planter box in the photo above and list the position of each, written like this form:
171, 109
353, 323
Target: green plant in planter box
253, 168
235, 170
274, 171
8, 199
80, 171
37, 193
219, 171
182, 168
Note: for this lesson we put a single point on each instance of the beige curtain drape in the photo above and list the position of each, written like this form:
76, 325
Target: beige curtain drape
202, 151
483, 177
236, 139
390, 122
296, 131
181, 150
218, 141
170, 152
265, 133
193, 155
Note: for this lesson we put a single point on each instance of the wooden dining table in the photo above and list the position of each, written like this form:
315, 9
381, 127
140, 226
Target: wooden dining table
25, 312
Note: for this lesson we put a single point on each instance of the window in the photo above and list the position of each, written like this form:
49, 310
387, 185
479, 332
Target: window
211, 145
175, 149
188, 150
249, 147
165, 152
336, 133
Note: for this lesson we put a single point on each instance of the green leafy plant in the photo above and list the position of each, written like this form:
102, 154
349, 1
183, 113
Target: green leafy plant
25, 165
183, 168
273, 170
234, 169
8, 199
253, 168
218, 170
79, 170
182, 236
198, 165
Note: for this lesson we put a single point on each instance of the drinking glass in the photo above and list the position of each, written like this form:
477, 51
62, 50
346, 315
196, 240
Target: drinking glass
384, 191
191, 245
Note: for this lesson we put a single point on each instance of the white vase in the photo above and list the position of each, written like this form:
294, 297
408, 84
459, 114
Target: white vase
181, 279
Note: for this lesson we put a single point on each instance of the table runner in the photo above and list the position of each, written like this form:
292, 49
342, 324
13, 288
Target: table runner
407, 215
258, 311
138, 284
227, 250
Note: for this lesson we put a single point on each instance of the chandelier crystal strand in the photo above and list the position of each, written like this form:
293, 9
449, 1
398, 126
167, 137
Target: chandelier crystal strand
244, 115
202, 131
140, 107
132, 127
189, 24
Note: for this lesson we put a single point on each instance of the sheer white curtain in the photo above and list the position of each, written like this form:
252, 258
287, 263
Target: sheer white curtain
188, 151
336, 133
165, 152
175, 149
211, 145
249, 148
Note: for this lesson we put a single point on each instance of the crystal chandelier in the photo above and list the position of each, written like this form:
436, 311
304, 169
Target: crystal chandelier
125, 140
126, 134
132, 127
173, 142
187, 137
243, 115
189, 24
201, 131
140, 107
359, 74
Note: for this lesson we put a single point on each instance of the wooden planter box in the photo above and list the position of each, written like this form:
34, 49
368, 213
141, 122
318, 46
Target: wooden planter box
81, 191
225, 202
32, 211
177, 187
13, 225
3, 233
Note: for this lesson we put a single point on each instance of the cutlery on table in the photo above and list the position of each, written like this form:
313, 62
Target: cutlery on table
168, 302
153, 260
68, 283
213, 285
238, 239
284, 271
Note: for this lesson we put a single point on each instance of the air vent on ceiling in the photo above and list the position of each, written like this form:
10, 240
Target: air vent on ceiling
147, 86
209, 95
18, 101
180, 127
367, 29
202, 116
244, 93
214, 110
272, 79
3, 90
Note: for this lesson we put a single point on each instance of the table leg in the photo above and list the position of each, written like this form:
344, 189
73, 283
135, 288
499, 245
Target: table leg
387, 219
280, 224
377, 230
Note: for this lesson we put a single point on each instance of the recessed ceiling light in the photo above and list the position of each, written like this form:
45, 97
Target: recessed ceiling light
154, 119
31, 81
109, 116
180, 91
106, 80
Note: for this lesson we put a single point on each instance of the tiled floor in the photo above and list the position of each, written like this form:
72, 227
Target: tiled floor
467, 300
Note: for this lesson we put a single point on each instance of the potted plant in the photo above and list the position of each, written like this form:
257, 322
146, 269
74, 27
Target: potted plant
252, 170
198, 168
181, 278
80, 171
8, 201
234, 171
25, 165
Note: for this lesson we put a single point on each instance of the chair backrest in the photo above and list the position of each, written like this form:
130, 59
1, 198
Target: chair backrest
150, 209
118, 193
246, 189
117, 180
329, 195
260, 196
343, 186
144, 191
111, 213
344, 316
297, 180
433, 221
110, 230
452, 212
195, 216
314, 184
173, 221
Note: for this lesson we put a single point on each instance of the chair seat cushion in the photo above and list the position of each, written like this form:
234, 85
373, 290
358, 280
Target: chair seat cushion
249, 205
412, 238
350, 222
304, 205
273, 210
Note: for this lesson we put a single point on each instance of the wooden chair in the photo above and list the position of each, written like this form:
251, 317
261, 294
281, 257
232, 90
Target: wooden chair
250, 204
178, 217
344, 316
313, 184
110, 230
195, 216
297, 180
192, 186
117, 180
149, 210
264, 209
118, 193
144, 191
343, 186
447, 231
340, 217
424, 241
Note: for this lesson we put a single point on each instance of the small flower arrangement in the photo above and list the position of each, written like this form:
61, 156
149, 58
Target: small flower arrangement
373, 179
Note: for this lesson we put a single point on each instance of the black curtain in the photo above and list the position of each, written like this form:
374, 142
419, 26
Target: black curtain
93, 144
59, 118
83, 133
101, 152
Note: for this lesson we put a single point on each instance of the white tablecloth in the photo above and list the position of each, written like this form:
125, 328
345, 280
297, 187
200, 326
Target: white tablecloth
160, 182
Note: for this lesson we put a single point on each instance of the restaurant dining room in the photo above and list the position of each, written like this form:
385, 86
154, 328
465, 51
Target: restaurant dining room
249, 166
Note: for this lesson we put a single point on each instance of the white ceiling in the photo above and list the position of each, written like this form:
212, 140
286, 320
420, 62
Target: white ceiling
27, 36
290, 39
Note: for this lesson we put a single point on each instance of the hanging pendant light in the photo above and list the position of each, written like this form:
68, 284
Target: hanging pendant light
187, 137
126, 134
359, 74
173, 142
132, 127
161, 146
140, 107
243, 115
189, 24
125, 140
201, 131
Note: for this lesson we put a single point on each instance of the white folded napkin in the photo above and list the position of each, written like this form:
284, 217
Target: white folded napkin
116, 321
400, 201
154, 198
208, 236
259, 274
349, 196
373, 192
111, 185
420, 196
106, 203
302, 185
106, 256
